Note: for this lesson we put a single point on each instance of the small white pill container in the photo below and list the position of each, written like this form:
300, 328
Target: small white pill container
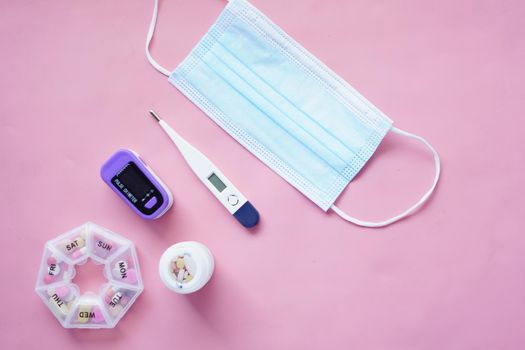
186, 267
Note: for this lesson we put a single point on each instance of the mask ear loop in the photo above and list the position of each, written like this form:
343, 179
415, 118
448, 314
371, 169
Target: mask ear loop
151, 31
414, 207
338, 211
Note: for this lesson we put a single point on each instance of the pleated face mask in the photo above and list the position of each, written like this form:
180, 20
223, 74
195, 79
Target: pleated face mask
284, 105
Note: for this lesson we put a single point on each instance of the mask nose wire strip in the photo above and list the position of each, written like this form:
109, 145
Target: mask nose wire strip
414, 207
151, 31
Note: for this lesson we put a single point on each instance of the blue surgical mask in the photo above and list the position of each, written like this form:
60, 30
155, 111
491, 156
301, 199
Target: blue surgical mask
284, 105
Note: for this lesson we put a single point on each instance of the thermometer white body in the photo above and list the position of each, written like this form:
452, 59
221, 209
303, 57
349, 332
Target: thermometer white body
210, 175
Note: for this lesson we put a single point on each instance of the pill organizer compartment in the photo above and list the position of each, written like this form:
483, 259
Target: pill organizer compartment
123, 268
89, 310
72, 244
118, 298
104, 246
88, 313
60, 299
53, 268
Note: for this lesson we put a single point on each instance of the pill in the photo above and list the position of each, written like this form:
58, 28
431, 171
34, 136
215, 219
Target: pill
180, 262
69, 246
115, 311
132, 276
85, 314
190, 265
124, 300
180, 276
78, 253
188, 278
116, 273
109, 294
58, 304
63, 292
48, 279
51, 260
98, 317
81, 242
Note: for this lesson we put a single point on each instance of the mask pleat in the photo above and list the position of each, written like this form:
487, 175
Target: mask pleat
319, 110
284, 114
259, 118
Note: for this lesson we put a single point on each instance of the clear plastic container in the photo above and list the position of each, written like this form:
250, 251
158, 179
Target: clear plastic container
186, 267
90, 310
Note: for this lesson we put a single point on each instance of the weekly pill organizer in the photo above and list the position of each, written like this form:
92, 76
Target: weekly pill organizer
100, 309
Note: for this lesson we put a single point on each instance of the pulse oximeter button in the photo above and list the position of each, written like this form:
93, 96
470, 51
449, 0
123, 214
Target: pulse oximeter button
151, 203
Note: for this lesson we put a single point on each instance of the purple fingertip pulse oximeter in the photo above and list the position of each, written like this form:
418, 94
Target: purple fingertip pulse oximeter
136, 184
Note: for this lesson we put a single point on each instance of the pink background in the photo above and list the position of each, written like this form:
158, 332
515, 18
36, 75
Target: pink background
75, 86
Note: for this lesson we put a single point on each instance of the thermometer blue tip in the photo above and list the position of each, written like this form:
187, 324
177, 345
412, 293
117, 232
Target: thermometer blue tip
247, 215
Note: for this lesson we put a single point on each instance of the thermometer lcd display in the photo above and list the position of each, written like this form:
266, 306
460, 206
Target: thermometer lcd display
216, 182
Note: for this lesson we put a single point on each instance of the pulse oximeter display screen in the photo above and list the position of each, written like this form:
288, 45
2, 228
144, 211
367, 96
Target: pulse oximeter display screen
137, 188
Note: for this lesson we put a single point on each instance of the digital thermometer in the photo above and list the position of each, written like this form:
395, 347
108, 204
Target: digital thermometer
232, 199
